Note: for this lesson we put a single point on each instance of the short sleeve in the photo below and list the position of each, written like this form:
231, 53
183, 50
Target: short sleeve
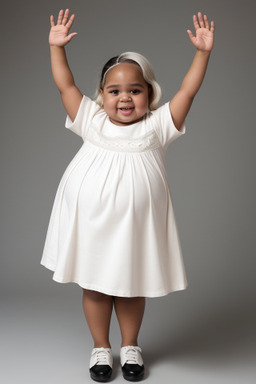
164, 126
83, 118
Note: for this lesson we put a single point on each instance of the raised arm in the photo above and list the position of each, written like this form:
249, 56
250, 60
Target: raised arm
203, 41
59, 36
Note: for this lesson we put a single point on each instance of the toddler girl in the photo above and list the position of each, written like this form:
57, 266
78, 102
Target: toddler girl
112, 228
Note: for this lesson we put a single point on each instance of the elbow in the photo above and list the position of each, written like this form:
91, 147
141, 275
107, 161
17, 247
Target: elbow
188, 94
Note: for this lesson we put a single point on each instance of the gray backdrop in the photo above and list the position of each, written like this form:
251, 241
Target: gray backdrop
207, 330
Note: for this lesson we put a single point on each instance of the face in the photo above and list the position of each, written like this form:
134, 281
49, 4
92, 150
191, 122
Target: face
125, 94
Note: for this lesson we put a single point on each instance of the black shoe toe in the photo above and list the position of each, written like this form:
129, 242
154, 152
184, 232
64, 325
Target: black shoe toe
101, 373
133, 372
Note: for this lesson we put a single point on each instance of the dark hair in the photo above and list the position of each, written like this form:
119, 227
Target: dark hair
107, 66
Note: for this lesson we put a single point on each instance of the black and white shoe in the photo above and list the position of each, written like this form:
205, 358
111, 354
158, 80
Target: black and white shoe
101, 364
132, 363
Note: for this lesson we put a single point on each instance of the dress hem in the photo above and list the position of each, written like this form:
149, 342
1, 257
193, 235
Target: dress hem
110, 292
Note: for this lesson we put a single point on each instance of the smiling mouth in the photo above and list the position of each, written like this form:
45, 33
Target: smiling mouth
126, 111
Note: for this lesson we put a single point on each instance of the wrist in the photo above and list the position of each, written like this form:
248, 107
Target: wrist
203, 53
57, 47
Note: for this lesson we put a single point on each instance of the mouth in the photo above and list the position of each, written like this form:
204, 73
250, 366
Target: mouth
126, 111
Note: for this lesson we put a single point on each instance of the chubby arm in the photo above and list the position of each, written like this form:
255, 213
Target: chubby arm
203, 41
59, 36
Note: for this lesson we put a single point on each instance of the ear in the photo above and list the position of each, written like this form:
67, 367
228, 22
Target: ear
101, 93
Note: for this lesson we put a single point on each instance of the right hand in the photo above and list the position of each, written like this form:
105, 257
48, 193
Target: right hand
59, 33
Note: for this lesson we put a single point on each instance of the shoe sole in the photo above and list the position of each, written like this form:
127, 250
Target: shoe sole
132, 378
100, 379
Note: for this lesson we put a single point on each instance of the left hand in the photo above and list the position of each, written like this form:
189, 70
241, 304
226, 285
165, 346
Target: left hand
59, 33
204, 38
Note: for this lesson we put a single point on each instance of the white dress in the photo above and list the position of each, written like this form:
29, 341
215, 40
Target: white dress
112, 228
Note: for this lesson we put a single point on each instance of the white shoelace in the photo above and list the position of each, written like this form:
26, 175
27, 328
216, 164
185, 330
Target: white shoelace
101, 357
131, 355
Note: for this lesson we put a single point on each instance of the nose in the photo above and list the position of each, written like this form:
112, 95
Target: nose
125, 98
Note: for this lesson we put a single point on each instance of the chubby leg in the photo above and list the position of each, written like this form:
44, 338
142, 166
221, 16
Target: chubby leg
98, 310
129, 313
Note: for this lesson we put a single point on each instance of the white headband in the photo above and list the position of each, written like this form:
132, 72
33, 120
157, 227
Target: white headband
112, 66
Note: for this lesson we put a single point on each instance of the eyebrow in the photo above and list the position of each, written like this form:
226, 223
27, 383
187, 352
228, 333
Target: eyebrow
131, 85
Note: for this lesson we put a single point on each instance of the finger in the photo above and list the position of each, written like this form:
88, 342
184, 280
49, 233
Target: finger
196, 25
70, 22
212, 27
60, 16
52, 21
70, 36
206, 22
201, 20
65, 18
191, 36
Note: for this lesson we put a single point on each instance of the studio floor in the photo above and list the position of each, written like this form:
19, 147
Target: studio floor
44, 340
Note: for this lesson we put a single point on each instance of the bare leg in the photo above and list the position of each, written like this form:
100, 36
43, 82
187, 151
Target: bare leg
129, 313
98, 310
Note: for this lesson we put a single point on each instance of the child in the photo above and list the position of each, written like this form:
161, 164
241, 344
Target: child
112, 229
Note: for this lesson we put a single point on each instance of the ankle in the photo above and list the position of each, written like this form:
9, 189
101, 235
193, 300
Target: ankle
102, 345
133, 343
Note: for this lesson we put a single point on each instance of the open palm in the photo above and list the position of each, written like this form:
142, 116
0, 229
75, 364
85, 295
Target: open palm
59, 33
204, 38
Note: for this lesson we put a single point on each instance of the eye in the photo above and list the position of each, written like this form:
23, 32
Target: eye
114, 92
135, 91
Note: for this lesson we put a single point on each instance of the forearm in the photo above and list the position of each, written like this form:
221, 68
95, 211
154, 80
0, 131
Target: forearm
196, 73
61, 72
